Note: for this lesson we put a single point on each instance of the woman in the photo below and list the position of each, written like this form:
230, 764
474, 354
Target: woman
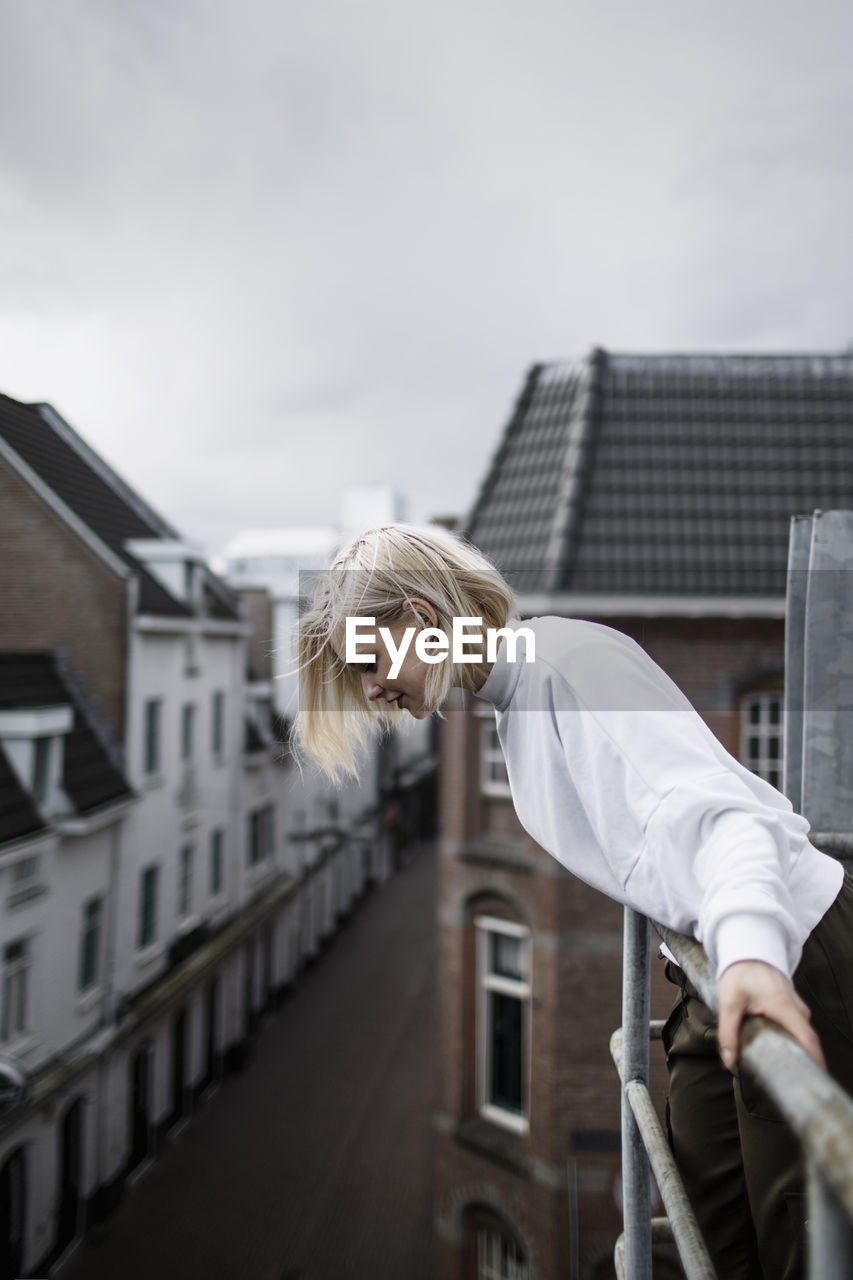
613, 772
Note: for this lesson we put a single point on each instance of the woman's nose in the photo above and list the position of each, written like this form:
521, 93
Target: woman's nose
372, 689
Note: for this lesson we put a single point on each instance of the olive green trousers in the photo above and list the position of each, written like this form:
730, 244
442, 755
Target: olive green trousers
740, 1164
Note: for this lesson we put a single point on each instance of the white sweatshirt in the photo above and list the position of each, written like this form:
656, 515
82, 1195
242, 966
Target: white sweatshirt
615, 774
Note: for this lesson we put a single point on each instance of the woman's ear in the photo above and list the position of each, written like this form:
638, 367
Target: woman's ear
423, 611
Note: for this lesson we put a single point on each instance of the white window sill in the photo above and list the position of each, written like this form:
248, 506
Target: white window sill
148, 955
26, 893
218, 909
87, 1000
21, 1046
260, 871
506, 1119
496, 790
186, 924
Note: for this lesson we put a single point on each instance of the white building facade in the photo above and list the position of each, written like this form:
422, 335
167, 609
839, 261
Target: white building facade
153, 905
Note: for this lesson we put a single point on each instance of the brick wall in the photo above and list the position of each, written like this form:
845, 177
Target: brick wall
56, 593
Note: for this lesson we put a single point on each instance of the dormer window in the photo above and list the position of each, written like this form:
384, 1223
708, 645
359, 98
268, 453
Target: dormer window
34, 743
41, 770
178, 566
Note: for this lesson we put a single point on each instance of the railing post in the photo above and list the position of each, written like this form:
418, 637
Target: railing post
829, 1232
636, 1202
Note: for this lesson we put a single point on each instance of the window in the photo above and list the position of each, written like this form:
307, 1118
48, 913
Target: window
217, 868
148, 890
494, 780
188, 731
185, 882
261, 835
14, 1013
761, 735
26, 873
499, 1258
41, 770
502, 1020
90, 944
190, 581
217, 725
151, 745
191, 661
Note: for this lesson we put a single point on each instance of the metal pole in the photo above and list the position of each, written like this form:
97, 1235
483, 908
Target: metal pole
636, 1202
829, 1232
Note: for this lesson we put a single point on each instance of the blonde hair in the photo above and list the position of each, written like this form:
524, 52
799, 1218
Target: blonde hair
377, 576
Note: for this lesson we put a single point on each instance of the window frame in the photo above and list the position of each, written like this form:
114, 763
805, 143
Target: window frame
152, 737
216, 863
42, 765
186, 868
260, 836
489, 984
91, 936
494, 778
217, 724
15, 990
149, 904
489, 1239
188, 732
763, 730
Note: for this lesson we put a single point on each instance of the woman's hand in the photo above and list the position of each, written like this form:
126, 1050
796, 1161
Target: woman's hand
751, 986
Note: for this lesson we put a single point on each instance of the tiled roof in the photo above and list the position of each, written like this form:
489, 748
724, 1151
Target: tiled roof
666, 474
18, 814
91, 776
100, 498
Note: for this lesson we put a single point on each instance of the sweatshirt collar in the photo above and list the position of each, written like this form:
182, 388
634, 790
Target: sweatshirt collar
500, 683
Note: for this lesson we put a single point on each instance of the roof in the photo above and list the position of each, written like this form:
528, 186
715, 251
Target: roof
665, 474
92, 776
100, 499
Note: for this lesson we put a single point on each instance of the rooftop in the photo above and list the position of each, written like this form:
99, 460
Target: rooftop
108, 506
666, 475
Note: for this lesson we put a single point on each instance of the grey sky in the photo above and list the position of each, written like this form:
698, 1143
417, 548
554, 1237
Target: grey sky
255, 252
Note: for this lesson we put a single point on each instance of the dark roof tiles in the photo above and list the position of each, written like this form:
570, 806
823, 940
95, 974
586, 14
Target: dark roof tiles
671, 474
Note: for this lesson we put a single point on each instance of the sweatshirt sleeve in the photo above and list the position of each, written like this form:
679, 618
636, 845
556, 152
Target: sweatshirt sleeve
692, 838
722, 850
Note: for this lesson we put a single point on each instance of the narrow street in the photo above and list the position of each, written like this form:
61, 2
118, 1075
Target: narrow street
316, 1162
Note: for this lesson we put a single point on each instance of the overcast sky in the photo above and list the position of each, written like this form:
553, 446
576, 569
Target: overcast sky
257, 251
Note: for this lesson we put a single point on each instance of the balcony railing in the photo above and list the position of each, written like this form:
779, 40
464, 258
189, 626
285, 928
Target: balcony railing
817, 1109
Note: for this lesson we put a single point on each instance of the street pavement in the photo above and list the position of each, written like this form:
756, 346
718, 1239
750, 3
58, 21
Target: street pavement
315, 1163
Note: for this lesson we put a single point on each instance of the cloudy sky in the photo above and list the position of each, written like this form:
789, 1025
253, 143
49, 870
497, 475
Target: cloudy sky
258, 251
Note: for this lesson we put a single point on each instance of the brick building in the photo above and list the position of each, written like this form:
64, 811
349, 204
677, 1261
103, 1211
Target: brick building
654, 494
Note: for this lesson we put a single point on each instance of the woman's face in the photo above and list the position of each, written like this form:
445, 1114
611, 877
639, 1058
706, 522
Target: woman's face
406, 688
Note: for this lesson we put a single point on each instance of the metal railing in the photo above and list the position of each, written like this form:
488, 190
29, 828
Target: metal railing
817, 1109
